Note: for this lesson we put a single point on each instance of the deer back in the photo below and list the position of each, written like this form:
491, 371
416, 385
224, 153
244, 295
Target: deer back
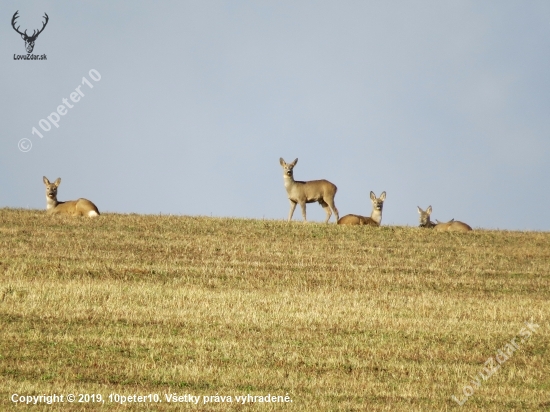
458, 226
357, 220
80, 207
313, 190
453, 226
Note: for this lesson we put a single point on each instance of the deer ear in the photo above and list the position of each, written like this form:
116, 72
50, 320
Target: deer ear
23, 36
372, 196
282, 161
419, 210
57, 181
294, 162
383, 196
45, 180
429, 210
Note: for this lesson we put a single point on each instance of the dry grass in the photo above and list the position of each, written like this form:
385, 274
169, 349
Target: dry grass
340, 318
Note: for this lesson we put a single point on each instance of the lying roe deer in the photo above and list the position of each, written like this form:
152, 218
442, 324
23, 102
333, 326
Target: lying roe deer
80, 207
451, 225
375, 218
321, 191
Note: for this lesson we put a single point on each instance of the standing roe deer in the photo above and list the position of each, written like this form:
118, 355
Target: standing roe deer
375, 218
321, 191
80, 207
451, 225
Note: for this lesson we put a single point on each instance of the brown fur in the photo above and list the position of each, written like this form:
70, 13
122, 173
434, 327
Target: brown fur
452, 225
80, 207
375, 218
357, 220
321, 191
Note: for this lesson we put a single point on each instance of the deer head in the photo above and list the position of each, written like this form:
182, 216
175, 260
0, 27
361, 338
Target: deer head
29, 40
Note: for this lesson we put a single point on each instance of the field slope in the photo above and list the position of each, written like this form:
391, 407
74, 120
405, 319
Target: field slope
337, 318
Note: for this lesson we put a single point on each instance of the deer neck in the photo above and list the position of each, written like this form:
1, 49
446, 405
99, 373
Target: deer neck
429, 224
289, 181
51, 203
376, 215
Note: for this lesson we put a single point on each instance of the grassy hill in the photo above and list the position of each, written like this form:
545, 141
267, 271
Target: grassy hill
337, 318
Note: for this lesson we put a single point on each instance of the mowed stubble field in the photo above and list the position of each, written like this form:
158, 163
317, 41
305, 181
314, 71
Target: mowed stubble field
338, 318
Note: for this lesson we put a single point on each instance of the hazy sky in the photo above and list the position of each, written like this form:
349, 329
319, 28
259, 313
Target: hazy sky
442, 103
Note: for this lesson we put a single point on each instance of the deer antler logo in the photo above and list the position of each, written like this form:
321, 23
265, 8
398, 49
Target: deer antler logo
29, 40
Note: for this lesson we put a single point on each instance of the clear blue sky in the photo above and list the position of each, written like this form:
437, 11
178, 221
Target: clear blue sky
440, 103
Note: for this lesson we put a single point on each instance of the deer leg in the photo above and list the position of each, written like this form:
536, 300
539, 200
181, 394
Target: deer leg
333, 207
303, 206
325, 206
292, 207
